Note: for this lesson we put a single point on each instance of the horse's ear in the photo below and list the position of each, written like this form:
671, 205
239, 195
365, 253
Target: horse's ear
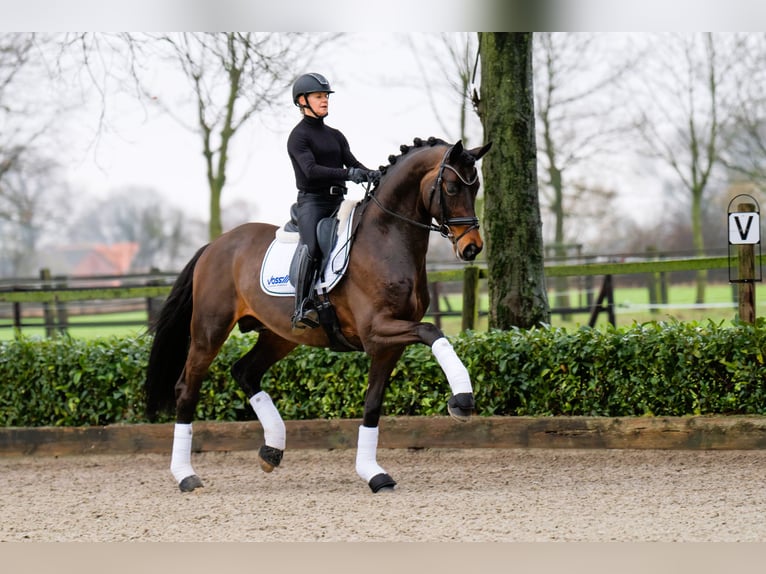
457, 151
478, 152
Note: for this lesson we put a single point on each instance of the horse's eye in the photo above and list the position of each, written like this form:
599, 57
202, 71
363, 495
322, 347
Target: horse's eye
452, 188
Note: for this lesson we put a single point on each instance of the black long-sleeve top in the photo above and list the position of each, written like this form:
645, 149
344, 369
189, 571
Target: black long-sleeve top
320, 155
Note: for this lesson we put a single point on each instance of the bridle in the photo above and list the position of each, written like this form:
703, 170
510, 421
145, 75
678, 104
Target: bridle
446, 223
444, 228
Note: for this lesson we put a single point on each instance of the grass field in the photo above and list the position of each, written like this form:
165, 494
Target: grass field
630, 306
138, 320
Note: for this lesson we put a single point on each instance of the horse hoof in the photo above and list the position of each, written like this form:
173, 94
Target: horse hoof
269, 457
460, 406
190, 483
382, 483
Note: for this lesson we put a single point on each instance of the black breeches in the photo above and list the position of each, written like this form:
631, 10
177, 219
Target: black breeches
312, 208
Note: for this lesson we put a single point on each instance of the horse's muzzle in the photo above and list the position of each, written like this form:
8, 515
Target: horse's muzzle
469, 245
470, 252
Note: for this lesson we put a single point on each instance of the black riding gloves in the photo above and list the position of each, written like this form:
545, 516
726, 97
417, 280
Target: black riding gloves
359, 175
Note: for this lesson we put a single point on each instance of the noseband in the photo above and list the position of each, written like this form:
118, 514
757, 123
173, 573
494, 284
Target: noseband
444, 227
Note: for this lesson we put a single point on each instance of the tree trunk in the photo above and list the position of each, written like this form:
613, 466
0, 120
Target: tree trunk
513, 226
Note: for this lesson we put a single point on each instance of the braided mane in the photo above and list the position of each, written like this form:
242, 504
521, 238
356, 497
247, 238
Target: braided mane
404, 148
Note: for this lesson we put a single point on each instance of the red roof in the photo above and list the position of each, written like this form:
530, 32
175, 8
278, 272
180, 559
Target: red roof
87, 260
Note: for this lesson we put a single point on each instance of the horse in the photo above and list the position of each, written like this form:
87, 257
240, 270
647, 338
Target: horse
378, 304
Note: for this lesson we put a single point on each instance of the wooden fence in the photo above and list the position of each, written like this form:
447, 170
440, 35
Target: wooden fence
54, 295
604, 302
49, 302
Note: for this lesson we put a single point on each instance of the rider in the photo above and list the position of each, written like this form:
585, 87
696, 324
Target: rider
322, 161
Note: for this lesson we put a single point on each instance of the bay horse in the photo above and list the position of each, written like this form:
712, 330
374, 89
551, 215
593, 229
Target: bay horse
379, 304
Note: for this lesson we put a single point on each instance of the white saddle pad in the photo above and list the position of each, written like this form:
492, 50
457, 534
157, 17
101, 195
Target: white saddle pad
275, 270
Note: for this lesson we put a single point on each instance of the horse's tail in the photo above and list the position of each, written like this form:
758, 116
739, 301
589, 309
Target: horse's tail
170, 347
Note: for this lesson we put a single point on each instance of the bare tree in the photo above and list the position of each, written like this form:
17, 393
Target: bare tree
33, 200
448, 64
31, 195
15, 52
577, 77
688, 87
743, 148
232, 77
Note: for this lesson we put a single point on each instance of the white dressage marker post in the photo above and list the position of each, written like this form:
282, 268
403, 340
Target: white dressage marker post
745, 234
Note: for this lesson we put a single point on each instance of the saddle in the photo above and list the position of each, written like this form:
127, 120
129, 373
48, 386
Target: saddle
334, 235
327, 237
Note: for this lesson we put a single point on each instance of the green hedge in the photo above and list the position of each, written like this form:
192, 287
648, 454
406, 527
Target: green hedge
663, 369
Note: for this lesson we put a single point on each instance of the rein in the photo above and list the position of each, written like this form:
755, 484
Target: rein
444, 227
428, 226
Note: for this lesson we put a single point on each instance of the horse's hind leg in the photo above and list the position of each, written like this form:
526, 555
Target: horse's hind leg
248, 372
202, 351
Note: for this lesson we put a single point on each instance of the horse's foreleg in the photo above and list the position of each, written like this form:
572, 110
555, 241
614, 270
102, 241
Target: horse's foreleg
461, 403
367, 466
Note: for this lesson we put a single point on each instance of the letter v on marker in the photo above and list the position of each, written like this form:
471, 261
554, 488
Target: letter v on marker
743, 234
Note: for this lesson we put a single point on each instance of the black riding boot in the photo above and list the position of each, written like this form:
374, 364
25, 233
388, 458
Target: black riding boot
305, 313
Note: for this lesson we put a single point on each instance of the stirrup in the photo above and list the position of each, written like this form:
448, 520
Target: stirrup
305, 318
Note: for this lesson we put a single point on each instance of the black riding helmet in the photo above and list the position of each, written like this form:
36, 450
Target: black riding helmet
309, 83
